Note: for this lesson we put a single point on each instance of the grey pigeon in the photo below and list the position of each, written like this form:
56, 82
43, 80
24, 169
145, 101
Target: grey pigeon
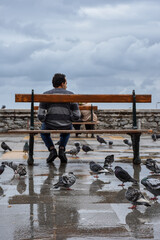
101, 140
5, 147
127, 142
152, 166
153, 186
97, 168
74, 151
26, 147
136, 198
18, 169
21, 170
108, 161
86, 148
123, 176
2, 167
66, 180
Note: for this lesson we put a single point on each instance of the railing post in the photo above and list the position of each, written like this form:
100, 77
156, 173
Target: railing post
134, 111
32, 111
91, 113
31, 136
92, 135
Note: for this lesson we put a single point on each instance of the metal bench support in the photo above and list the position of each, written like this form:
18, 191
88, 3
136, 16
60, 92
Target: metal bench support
31, 135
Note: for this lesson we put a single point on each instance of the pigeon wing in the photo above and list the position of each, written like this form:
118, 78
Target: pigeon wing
96, 168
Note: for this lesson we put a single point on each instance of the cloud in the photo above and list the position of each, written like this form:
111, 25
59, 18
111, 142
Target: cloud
102, 46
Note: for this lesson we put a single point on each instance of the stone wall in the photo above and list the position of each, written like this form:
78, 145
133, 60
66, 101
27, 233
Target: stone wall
122, 118
108, 119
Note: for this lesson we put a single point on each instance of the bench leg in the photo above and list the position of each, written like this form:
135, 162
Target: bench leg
135, 137
31, 146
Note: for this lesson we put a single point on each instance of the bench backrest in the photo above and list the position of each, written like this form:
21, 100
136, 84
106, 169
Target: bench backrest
98, 98
95, 108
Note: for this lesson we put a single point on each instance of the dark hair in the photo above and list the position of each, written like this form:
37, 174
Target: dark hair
58, 79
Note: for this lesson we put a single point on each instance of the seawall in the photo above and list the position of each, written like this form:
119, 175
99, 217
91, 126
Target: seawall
108, 119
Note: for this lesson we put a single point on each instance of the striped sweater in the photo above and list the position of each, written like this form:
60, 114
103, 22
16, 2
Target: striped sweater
58, 115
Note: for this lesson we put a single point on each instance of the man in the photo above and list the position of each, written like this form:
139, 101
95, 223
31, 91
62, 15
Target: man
57, 116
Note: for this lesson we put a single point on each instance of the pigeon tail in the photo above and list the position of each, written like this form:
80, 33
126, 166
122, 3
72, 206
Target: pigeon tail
104, 171
68, 152
56, 185
144, 202
134, 181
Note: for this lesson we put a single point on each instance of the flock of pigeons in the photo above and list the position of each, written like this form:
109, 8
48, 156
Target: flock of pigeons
132, 194
19, 169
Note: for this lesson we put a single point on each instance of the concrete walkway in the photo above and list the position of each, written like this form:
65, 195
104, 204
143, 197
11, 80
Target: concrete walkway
94, 209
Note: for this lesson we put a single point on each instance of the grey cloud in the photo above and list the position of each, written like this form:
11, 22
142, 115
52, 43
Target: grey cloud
104, 46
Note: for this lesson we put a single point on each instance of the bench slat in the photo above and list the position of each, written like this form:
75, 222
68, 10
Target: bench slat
80, 107
120, 98
100, 131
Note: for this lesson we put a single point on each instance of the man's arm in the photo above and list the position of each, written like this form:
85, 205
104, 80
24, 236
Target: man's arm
42, 112
76, 114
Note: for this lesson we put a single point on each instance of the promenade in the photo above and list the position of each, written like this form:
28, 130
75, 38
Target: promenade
94, 208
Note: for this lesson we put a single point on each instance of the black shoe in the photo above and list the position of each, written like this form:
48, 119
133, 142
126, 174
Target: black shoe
52, 155
62, 155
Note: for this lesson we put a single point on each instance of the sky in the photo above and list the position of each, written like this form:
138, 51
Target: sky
102, 46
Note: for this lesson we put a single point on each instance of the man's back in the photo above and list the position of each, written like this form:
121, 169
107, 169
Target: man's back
58, 115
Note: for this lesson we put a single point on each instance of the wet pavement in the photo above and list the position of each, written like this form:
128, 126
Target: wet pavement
94, 208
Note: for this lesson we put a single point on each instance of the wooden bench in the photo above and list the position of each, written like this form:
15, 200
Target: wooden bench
92, 98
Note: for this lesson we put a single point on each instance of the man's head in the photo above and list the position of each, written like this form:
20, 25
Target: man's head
59, 81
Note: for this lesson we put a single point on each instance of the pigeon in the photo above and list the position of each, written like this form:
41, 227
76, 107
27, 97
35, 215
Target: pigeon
97, 169
66, 180
74, 151
153, 186
86, 148
127, 142
2, 167
155, 136
150, 161
136, 198
5, 146
3, 107
101, 140
123, 176
21, 170
26, 147
110, 143
108, 161
77, 144
18, 169
152, 166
